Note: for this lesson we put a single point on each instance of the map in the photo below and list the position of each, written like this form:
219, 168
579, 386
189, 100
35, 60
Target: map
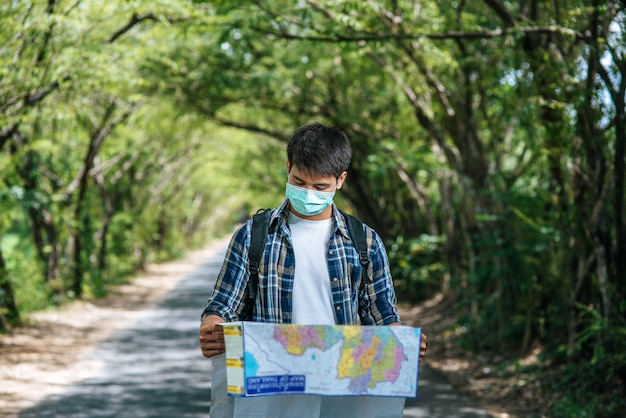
349, 360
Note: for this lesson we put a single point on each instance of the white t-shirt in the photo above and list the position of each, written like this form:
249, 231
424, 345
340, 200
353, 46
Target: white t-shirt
312, 297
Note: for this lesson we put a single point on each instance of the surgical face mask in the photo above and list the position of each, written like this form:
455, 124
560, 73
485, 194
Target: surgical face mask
308, 202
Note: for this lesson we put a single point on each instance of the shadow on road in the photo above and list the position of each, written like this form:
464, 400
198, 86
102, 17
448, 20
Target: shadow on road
438, 398
153, 368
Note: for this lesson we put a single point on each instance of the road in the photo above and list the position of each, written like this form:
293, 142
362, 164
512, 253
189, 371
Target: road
153, 368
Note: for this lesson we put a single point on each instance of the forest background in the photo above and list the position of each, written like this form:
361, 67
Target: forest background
488, 138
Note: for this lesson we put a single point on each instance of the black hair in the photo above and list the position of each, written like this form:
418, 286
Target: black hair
319, 149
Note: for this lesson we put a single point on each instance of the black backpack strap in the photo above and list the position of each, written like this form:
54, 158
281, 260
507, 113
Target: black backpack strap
258, 238
355, 228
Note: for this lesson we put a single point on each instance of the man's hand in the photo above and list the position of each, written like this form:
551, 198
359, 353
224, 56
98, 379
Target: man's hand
423, 346
211, 336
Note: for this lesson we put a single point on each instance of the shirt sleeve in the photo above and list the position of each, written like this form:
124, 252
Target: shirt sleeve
380, 294
228, 298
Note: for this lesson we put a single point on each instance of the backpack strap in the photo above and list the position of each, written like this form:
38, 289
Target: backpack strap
258, 237
355, 228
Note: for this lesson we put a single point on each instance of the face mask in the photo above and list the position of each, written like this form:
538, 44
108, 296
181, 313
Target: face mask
308, 202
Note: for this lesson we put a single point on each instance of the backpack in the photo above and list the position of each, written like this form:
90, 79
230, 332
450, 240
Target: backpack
258, 238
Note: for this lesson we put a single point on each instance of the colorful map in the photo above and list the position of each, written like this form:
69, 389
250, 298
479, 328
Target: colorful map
322, 360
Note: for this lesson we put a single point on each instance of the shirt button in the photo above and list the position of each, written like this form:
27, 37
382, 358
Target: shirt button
330, 252
335, 280
288, 296
338, 307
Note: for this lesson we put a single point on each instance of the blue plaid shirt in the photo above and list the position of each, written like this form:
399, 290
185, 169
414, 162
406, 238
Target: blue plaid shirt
372, 304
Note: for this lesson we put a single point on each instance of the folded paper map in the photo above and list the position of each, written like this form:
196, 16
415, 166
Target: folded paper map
333, 360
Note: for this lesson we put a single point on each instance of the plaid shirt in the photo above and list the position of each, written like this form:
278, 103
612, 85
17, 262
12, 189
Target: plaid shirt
372, 304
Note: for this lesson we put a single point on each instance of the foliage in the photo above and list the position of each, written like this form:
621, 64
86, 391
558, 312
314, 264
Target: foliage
489, 150
20, 256
416, 267
100, 176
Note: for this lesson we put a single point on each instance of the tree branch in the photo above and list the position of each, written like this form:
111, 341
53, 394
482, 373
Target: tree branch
48, 34
501, 11
134, 20
35, 97
28, 100
6, 133
280, 136
98, 135
552, 29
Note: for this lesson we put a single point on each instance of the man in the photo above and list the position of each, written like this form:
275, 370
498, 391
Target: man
310, 267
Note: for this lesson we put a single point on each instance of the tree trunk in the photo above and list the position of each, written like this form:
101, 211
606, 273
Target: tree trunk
618, 198
102, 234
80, 183
9, 313
44, 232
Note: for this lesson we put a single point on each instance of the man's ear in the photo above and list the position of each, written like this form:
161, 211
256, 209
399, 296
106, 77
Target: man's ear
341, 179
288, 167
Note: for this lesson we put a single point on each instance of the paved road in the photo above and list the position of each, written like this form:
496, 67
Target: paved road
154, 369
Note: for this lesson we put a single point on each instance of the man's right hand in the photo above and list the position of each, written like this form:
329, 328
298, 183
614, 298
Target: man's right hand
211, 336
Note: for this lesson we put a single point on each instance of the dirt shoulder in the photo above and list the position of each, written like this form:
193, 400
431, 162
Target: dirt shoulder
504, 393
48, 353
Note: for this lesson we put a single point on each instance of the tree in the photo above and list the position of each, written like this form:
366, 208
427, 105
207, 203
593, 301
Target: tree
509, 117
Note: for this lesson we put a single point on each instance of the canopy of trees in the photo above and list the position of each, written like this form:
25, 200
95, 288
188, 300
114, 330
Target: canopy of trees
488, 137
